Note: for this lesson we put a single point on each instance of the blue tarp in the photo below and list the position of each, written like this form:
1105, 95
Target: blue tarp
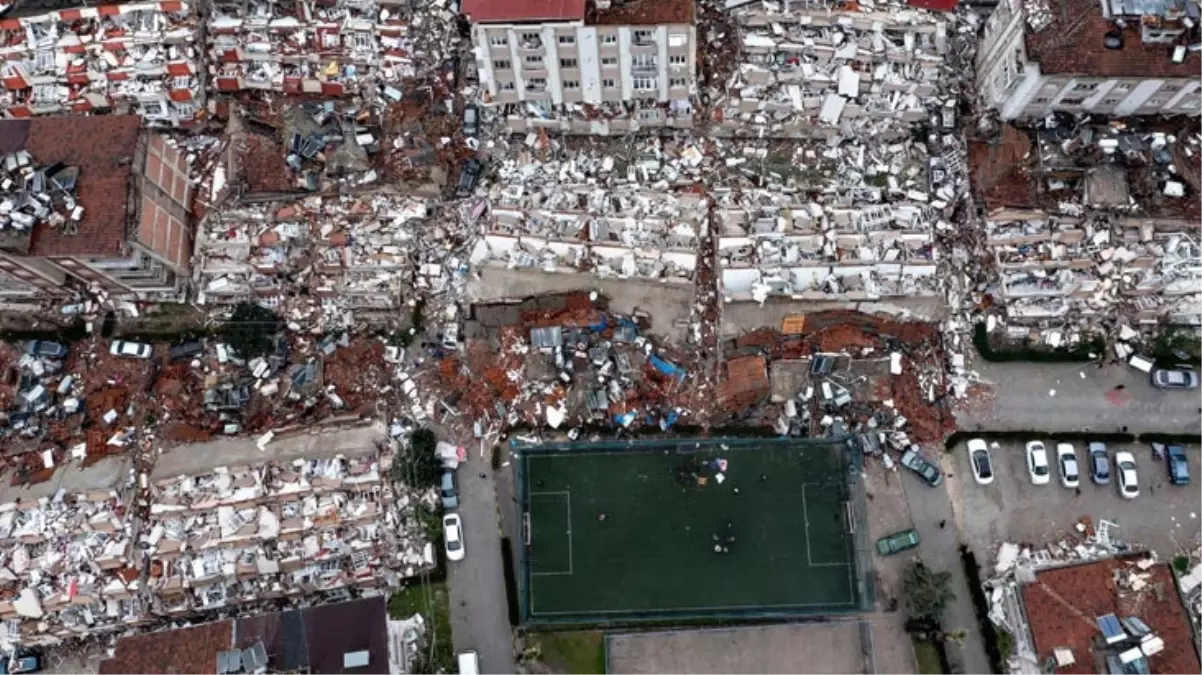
667, 368
600, 326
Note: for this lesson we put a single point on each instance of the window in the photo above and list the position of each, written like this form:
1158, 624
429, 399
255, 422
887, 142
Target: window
1156, 102
642, 37
568, 63
182, 82
45, 93
536, 84
677, 59
1071, 101
677, 82
567, 39
1111, 101
648, 114
1189, 103
186, 109
678, 40
608, 84
1084, 86
609, 61
1041, 99
645, 84
1169, 88
609, 39
507, 86
531, 37
534, 61
501, 65
643, 61
571, 85
498, 40
43, 60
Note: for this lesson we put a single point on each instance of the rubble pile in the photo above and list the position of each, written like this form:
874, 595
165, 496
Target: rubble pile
1092, 228
32, 194
867, 71
137, 57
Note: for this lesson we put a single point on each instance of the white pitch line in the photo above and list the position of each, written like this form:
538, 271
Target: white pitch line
805, 513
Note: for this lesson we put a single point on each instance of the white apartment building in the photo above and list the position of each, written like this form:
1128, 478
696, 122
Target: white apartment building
1109, 57
586, 68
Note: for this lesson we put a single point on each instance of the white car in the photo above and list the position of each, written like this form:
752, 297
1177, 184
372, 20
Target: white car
1070, 471
1037, 463
982, 465
452, 529
132, 350
1124, 462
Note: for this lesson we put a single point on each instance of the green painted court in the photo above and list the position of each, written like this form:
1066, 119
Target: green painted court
649, 532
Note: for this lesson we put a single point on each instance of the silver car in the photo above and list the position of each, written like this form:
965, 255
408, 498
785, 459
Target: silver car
1179, 378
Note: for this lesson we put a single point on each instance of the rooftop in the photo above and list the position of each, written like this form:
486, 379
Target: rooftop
15, 9
642, 13
1063, 605
504, 11
313, 639
103, 148
1073, 43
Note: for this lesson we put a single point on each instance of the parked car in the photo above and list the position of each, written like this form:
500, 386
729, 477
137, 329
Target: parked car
448, 490
1178, 465
468, 176
1099, 463
1175, 378
1124, 463
46, 349
978, 457
186, 350
471, 121
897, 542
452, 530
1037, 463
1070, 472
132, 350
911, 459
21, 663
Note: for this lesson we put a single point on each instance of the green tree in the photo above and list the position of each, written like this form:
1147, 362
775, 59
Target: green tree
250, 330
926, 593
422, 466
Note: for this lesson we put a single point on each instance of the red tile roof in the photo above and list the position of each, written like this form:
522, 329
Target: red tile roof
103, 148
496, 11
1062, 606
186, 650
643, 13
1073, 45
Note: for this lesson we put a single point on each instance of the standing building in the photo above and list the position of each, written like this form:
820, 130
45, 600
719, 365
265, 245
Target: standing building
558, 64
1108, 57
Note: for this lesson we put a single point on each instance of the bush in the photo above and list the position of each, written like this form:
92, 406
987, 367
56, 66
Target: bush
250, 330
421, 467
926, 593
1181, 564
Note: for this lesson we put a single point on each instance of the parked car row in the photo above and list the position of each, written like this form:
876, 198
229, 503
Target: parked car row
1101, 469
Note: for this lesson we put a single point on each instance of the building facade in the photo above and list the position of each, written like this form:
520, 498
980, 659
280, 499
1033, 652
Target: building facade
1107, 57
637, 67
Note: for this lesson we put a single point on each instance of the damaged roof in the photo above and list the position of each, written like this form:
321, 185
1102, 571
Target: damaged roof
483, 11
1063, 605
1073, 44
642, 13
103, 148
314, 639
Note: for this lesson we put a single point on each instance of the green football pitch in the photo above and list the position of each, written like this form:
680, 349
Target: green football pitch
653, 532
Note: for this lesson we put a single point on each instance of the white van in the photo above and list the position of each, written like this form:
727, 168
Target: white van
469, 664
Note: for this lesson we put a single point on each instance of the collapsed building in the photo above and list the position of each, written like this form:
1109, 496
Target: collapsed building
811, 68
1093, 225
1110, 57
231, 523
93, 203
586, 66
66, 56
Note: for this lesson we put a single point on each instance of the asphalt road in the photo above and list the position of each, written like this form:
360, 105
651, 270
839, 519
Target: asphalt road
1076, 397
479, 612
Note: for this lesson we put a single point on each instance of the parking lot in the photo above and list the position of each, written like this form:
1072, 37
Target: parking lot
1163, 518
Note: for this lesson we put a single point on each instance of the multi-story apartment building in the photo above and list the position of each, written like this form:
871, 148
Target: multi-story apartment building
96, 201
68, 56
1109, 57
635, 64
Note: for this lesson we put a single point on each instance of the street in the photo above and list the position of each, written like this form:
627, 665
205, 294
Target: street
479, 613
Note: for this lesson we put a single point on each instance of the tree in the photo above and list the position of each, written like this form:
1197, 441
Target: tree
250, 330
422, 466
926, 593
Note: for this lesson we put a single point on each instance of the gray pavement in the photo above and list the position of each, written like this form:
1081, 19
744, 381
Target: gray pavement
1163, 518
939, 548
479, 609
1084, 399
831, 647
